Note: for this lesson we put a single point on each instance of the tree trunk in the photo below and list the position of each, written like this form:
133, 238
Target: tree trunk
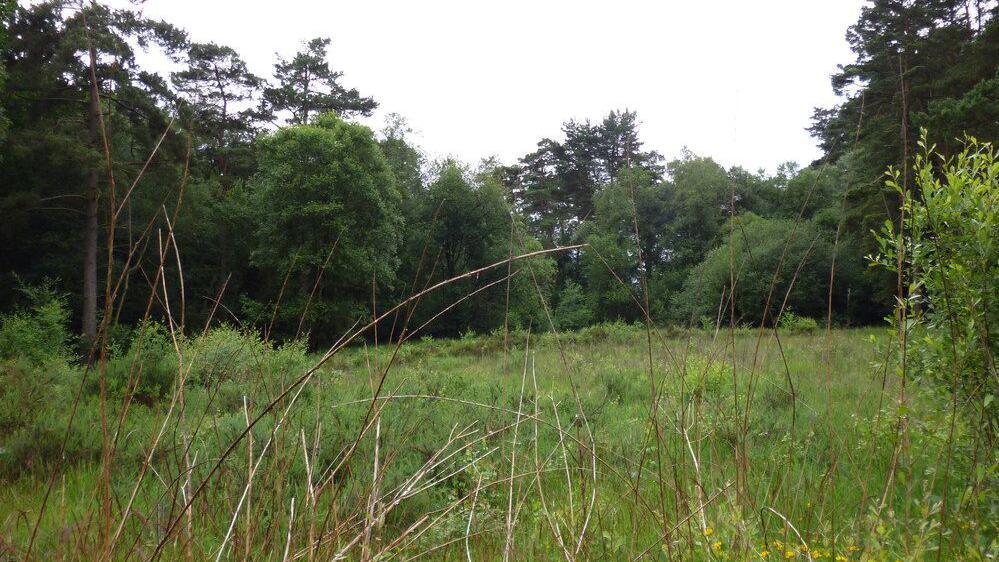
92, 226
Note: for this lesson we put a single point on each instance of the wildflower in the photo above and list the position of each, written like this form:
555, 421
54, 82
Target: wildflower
789, 553
717, 546
817, 553
764, 554
708, 531
853, 548
841, 558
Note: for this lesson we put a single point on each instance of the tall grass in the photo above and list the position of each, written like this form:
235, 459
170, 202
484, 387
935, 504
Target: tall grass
463, 459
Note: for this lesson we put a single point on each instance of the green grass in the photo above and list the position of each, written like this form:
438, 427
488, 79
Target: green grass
781, 444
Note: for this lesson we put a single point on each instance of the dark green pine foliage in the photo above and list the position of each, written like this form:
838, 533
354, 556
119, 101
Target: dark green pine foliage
919, 63
54, 181
6, 12
556, 184
217, 101
307, 86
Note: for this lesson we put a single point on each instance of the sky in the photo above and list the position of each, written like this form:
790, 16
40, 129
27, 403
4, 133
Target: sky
735, 80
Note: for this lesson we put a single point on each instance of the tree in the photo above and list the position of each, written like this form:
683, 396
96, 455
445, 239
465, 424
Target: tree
464, 220
556, 184
757, 253
6, 11
317, 186
619, 147
916, 60
404, 159
949, 255
73, 68
700, 201
217, 91
307, 86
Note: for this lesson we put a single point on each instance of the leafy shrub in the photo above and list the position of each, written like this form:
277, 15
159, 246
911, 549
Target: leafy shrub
148, 369
706, 376
791, 322
37, 334
224, 354
949, 249
761, 247
36, 384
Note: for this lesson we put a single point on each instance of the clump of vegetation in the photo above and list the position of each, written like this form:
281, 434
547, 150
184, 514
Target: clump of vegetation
38, 333
791, 322
35, 379
948, 247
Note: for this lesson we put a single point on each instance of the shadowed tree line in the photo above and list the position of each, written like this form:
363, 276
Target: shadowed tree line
281, 213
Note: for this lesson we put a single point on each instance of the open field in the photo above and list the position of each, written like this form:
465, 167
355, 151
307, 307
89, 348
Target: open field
573, 446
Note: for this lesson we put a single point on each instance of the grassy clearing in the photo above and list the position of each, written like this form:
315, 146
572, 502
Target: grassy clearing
476, 452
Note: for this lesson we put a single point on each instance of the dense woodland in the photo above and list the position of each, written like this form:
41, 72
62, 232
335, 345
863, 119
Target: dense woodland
281, 213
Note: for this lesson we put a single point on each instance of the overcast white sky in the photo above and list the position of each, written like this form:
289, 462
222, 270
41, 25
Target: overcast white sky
732, 79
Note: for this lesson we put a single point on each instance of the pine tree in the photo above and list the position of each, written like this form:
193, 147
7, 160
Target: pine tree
74, 71
217, 92
307, 86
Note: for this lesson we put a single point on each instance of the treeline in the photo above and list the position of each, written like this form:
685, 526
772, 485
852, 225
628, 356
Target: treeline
211, 191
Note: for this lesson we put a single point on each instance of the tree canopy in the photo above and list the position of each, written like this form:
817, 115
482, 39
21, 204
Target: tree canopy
288, 215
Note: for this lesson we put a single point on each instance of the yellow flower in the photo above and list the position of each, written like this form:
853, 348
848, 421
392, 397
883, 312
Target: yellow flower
816, 553
717, 546
708, 531
764, 554
841, 558
853, 548
789, 554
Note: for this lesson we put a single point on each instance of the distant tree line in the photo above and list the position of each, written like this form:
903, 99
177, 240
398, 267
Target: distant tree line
214, 191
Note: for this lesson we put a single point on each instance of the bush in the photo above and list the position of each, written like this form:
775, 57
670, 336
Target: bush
949, 247
38, 334
36, 383
760, 247
224, 354
791, 322
148, 369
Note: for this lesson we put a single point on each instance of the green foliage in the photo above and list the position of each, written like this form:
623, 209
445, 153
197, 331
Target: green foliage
147, 369
216, 90
35, 377
466, 221
573, 311
38, 334
313, 226
318, 186
791, 322
6, 11
918, 63
948, 245
437, 384
404, 159
307, 87
555, 186
610, 263
757, 249
700, 203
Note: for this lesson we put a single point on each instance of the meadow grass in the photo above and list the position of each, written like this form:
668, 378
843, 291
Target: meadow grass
730, 445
